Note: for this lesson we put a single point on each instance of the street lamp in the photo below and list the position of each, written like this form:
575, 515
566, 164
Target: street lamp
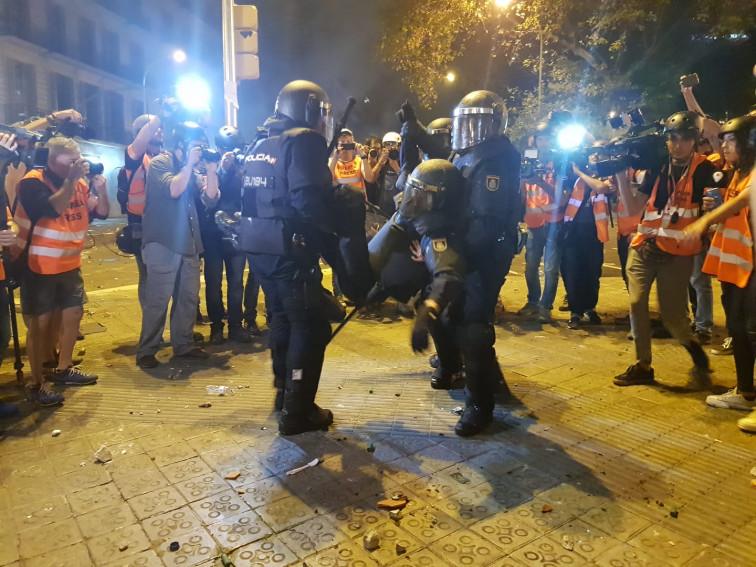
451, 77
502, 3
193, 93
178, 56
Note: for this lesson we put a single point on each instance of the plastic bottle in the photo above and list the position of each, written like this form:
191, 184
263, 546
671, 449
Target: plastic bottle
219, 390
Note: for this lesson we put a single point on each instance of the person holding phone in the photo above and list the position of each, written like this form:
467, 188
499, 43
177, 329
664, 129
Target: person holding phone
349, 164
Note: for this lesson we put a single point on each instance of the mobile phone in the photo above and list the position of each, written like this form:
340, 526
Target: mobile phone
689, 80
348, 146
530, 153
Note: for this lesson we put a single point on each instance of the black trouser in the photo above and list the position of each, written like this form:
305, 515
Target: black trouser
740, 310
298, 330
623, 247
217, 254
581, 266
251, 295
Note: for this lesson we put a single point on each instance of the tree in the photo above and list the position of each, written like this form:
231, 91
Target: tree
594, 56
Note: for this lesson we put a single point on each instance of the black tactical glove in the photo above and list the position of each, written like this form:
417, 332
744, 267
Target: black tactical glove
406, 113
425, 314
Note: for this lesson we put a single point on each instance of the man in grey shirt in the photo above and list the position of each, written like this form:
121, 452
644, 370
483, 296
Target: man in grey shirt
171, 243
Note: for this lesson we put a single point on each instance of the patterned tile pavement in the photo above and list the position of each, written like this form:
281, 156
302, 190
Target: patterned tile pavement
577, 472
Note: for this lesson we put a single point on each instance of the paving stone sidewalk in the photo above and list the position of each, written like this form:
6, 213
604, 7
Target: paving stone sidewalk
576, 472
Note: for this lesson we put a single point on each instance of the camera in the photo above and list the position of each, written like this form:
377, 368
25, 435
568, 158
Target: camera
373, 153
346, 146
393, 155
646, 149
530, 165
30, 146
210, 155
689, 80
95, 168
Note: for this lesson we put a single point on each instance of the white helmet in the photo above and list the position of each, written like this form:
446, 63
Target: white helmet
392, 137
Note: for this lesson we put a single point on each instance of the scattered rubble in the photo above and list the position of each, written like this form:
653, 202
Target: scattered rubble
546, 509
400, 549
103, 455
174, 546
205, 405
232, 475
371, 541
312, 463
56, 432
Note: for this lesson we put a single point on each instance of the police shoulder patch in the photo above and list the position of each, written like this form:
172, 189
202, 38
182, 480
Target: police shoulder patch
492, 182
439, 244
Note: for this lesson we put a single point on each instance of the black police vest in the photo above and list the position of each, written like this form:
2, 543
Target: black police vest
265, 193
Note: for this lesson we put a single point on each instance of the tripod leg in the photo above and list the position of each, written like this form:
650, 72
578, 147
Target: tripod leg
18, 364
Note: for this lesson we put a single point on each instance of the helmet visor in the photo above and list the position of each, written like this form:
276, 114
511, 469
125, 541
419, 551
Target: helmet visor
326, 125
470, 129
418, 198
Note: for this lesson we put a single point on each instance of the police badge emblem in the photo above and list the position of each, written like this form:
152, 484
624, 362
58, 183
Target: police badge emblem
439, 244
492, 182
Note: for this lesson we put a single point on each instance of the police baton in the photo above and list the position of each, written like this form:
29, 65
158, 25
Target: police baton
341, 124
346, 320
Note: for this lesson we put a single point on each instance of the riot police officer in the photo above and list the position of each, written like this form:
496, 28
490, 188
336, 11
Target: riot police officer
285, 210
490, 166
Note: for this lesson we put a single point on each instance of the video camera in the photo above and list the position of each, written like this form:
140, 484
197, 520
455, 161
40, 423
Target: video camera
210, 155
31, 150
644, 147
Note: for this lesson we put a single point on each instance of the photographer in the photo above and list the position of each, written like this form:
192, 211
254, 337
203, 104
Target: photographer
373, 148
349, 163
586, 226
730, 259
219, 251
171, 242
53, 214
386, 171
672, 198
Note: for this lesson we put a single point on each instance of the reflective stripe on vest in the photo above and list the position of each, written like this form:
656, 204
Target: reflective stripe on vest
539, 206
56, 243
730, 256
350, 172
658, 224
137, 182
600, 209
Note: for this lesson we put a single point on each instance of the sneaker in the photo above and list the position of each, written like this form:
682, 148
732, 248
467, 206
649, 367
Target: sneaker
530, 310
43, 395
748, 423
148, 361
544, 315
724, 350
239, 335
565, 306
216, 337
593, 317
703, 337
731, 400
196, 352
574, 322
72, 376
635, 375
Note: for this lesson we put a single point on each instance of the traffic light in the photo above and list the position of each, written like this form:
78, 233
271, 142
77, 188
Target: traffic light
245, 41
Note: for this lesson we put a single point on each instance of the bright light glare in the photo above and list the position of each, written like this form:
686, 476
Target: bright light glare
502, 3
179, 56
451, 77
571, 136
193, 92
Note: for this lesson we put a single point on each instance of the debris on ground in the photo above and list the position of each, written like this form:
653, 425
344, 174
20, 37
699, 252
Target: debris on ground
312, 463
400, 549
56, 432
371, 541
123, 546
226, 561
103, 455
568, 542
174, 546
219, 390
753, 471
370, 391
395, 515
232, 475
460, 478
546, 509
459, 410
371, 447
674, 512
392, 504
753, 484
398, 395
205, 405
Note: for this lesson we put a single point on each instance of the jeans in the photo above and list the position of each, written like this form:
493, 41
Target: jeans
251, 294
533, 253
169, 275
701, 283
671, 274
216, 255
552, 262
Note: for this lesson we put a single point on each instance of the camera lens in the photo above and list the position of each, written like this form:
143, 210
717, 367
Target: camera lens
393, 154
373, 153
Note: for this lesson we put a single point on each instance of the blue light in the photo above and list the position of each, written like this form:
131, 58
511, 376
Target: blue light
193, 92
571, 136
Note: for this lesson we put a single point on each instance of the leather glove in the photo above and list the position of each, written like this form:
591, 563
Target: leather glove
406, 113
423, 318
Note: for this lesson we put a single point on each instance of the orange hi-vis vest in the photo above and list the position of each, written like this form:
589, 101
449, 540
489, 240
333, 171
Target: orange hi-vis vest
350, 172
730, 256
539, 205
56, 243
658, 224
627, 224
137, 180
600, 209
717, 160
2, 265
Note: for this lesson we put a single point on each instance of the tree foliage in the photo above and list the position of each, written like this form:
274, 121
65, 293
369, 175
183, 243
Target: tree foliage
596, 55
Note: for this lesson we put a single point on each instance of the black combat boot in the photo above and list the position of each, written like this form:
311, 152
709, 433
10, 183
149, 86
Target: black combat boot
300, 413
474, 420
442, 379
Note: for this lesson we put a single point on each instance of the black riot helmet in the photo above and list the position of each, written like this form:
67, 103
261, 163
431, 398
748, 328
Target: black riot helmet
439, 126
685, 123
186, 132
481, 115
229, 138
435, 186
306, 104
440, 133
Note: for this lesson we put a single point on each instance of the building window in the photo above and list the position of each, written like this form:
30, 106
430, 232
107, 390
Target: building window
136, 58
22, 91
114, 118
90, 102
14, 18
55, 39
87, 42
62, 92
111, 50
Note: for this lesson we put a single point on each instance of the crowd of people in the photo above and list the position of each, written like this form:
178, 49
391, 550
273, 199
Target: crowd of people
450, 197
